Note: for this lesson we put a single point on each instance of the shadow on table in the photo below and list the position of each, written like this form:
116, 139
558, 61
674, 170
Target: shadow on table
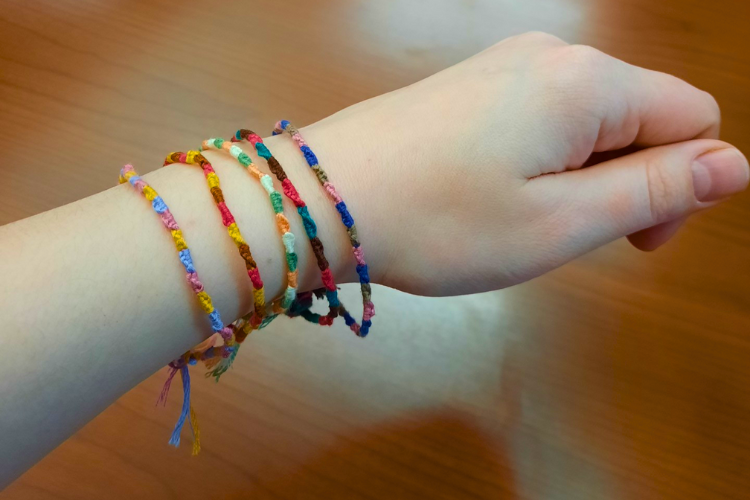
426, 455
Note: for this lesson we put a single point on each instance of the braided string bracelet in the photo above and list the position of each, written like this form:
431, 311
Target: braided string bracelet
331, 292
252, 321
128, 174
346, 219
195, 158
301, 306
282, 223
259, 317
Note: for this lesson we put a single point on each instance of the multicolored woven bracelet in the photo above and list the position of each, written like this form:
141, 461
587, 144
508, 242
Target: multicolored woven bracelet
331, 292
245, 325
346, 219
196, 158
128, 174
282, 223
259, 317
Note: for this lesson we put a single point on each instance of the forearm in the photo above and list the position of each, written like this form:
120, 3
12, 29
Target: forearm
94, 298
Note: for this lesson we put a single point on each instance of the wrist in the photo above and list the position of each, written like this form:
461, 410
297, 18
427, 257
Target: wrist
356, 165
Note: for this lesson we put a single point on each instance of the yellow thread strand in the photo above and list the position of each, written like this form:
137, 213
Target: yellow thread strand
205, 301
179, 240
190, 156
234, 232
149, 193
260, 299
196, 431
213, 180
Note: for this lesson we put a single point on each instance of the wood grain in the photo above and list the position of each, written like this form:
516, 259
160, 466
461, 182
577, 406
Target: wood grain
620, 376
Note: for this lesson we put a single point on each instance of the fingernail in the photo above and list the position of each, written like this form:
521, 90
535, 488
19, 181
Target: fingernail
718, 174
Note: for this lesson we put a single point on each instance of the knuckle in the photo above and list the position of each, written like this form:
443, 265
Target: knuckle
573, 72
665, 193
583, 58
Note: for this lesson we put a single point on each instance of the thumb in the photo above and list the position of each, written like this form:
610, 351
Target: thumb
648, 188
653, 237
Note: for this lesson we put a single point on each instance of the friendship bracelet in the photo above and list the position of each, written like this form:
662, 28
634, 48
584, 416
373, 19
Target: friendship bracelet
196, 158
128, 174
346, 219
290, 192
331, 292
254, 320
280, 306
291, 303
282, 223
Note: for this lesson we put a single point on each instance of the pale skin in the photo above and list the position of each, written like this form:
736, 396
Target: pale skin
467, 181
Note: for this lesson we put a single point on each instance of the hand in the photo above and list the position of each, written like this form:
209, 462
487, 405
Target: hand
472, 179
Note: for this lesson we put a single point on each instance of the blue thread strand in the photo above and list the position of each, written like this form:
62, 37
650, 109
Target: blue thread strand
159, 206
187, 260
348, 319
364, 276
175, 439
365, 328
346, 218
333, 298
312, 160
216, 323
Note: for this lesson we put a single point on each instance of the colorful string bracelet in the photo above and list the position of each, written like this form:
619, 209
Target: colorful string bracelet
259, 317
282, 223
331, 292
296, 309
253, 321
346, 219
128, 174
196, 158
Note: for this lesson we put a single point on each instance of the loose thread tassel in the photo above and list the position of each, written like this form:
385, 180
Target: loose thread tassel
224, 365
128, 174
167, 384
210, 363
196, 431
175, 439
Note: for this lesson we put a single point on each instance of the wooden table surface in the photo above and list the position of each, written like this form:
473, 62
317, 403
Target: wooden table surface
622, 375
